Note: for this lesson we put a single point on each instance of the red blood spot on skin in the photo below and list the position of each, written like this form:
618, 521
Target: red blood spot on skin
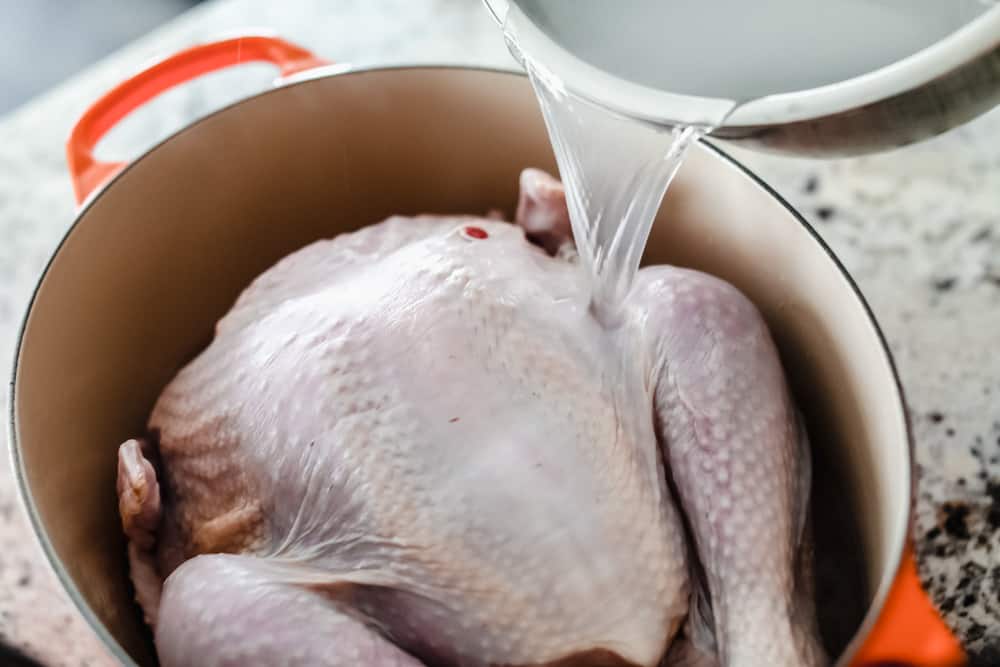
476, 233
453, 420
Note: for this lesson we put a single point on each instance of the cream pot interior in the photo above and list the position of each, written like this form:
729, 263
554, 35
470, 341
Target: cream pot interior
136, 287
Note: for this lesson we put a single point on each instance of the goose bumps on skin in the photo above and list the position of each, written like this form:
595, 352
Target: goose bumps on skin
413, 445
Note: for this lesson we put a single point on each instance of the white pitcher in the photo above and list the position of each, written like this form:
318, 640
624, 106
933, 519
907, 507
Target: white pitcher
808, 77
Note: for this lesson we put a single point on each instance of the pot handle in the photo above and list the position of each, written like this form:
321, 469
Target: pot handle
910, 630
88, 173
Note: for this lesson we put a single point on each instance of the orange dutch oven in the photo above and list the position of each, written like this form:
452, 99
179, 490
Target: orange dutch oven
163, 245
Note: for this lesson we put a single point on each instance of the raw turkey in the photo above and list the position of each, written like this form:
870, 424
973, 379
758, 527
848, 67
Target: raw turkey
413, 445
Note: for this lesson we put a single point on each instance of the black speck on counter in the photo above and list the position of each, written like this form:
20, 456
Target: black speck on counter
973, 571
993, 515
993, 490
988, 656
972, 577
950, 432
945, 284
936, 417
825, 212
812, 185
954, 523
982, 235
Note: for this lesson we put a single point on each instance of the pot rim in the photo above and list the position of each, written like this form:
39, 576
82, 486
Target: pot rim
35, 519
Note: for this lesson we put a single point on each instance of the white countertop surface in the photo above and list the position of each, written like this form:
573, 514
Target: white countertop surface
918, 228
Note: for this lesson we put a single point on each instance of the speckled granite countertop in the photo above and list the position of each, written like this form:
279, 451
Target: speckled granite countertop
918, 228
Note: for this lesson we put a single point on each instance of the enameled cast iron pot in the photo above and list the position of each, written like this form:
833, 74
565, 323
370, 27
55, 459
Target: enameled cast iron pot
163, 246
